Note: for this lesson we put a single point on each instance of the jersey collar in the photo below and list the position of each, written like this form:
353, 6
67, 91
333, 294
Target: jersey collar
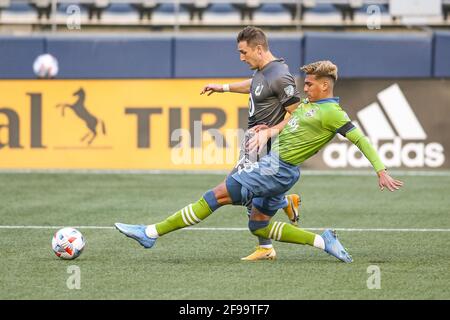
334, 99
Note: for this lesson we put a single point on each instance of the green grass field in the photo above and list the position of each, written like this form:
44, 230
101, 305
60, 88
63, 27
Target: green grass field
205, 264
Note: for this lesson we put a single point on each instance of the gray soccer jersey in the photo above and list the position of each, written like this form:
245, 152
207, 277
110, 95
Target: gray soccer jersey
273, 89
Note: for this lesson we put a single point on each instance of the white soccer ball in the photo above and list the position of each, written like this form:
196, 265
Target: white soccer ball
68, 243
45, 66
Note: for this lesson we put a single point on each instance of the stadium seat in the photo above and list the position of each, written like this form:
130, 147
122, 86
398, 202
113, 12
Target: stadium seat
294, 9
4, 4
120, 7
42, 7
348, 8
17, 5
445, 8
272, 8
221, 8
96, 8
196, 9
247, 8
316, 6
146, 8
316, 13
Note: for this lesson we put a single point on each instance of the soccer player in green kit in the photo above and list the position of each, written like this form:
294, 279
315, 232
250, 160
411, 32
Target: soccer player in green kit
311, 126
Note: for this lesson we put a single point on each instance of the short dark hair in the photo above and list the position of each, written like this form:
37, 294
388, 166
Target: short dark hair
254, 36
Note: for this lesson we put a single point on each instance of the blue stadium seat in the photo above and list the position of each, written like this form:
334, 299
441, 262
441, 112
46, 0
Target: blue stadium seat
42, 7
96, 9
112, 57
119, 8
166, 8
20, 7
384, 55
4, 4
445, 9
273, 8
441, 66
145, 9
321, 8
247, 10
384, 8
224, 8
196, 9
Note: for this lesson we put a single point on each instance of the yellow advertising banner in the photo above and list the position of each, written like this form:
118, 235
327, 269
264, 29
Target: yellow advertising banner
119, 124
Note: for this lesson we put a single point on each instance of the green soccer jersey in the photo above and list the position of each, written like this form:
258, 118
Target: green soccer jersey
312, 126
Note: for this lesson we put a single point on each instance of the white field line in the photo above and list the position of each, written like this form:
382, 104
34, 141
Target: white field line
245, 229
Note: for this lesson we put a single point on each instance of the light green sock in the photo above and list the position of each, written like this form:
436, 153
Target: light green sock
188, 216
285, 232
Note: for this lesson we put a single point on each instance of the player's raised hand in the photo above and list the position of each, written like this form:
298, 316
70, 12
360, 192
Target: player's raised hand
385, 180
211, 88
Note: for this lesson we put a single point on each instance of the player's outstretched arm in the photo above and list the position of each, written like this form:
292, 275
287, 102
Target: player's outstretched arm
237, 87
385, 180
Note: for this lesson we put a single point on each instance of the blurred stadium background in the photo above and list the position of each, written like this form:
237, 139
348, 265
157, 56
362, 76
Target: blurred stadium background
138, 67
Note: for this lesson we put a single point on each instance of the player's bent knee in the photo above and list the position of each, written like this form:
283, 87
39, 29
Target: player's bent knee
234, 189
260, 215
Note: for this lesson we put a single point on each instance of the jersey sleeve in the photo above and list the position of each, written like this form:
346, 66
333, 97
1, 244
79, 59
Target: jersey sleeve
335, 119
357, 138
285, 89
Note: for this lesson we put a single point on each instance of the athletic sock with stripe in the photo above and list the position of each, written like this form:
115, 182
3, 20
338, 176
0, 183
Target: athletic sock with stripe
188, 216
285, 232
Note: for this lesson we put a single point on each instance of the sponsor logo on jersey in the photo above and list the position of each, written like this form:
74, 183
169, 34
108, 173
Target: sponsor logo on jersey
258, 90
310, 113
293, 124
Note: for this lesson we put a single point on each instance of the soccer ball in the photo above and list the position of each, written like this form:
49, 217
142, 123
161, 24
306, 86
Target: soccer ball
45, 66
68, 243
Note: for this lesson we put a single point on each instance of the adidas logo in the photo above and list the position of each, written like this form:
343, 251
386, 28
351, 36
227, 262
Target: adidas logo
389, 132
